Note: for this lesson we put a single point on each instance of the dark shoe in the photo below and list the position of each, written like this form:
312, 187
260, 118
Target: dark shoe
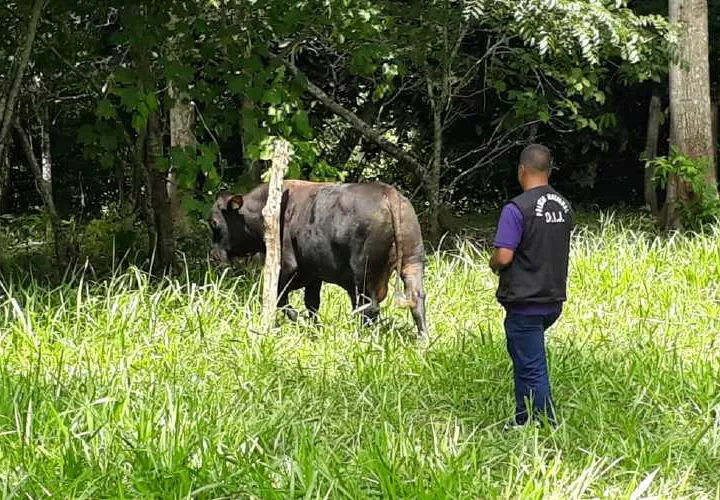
512, 425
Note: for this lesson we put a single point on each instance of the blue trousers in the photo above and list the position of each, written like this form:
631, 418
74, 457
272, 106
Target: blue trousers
526, 345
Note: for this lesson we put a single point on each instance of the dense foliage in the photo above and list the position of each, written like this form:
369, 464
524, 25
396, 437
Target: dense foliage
458, 86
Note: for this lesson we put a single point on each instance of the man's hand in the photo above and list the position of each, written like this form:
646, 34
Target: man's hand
501, 259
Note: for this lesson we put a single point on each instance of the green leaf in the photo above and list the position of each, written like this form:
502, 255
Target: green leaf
302, 124
129, 97
108, 141
138, 122
180, 74
151, 101
162, 164
143, 110
266, 153
294, 171
180, 159
106, 110
107, 160
265, 148
124, 75
272, 96
237, 84
194, 206
390, 70
87, 134
206, 162
381, 91
255, 93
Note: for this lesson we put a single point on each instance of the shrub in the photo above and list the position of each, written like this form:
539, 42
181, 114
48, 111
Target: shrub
703, 206
109, 239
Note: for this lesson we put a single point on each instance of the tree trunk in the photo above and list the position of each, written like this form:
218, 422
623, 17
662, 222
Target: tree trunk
432, 189
120, 168
670, 214
64, 249
271, 216
45, 155
4, 180
163, 244
7, 111
182, 122
714, 114
136, 197
651, 145
690, 115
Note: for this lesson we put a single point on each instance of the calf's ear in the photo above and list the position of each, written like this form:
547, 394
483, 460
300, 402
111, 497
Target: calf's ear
235, 202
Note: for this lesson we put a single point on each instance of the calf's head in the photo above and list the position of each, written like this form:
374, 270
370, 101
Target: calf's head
233, 234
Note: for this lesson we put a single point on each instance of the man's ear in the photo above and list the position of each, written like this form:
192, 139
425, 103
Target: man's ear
235, 203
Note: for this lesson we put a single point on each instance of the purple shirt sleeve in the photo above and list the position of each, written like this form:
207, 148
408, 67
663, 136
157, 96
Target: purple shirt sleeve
510, 228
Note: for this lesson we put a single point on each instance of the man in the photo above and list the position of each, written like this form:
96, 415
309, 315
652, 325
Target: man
531, 257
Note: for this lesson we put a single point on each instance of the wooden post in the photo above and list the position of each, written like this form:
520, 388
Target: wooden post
271, 216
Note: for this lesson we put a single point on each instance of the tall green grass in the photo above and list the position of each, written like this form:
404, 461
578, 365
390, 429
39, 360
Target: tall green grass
126, 388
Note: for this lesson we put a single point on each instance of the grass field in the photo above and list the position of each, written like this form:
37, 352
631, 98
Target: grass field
124, 388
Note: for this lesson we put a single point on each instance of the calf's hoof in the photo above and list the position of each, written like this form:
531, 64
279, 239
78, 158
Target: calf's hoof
291, 314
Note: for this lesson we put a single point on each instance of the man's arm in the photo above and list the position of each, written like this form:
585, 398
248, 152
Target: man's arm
507, 238
501, 259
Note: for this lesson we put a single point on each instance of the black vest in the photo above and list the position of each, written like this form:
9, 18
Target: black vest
538, 272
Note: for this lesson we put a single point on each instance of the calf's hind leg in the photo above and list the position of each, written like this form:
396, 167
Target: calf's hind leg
312, 297
284, 289
364, 302
370, 288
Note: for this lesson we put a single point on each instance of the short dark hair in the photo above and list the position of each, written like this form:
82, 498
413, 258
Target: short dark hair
537, 157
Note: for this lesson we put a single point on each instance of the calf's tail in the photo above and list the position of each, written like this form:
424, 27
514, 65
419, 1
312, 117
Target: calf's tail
410, 268
399, 298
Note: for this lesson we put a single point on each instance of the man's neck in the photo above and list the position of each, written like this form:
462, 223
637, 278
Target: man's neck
534, 183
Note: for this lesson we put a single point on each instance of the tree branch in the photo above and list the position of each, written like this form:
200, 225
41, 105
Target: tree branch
365, 130
501, 145
72, 68
489, 157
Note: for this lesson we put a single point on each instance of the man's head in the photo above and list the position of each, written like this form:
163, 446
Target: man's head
535, 166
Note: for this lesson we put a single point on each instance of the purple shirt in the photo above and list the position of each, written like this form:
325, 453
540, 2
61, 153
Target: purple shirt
509, 235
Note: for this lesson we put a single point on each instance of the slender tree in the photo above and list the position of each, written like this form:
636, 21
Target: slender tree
7, 103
